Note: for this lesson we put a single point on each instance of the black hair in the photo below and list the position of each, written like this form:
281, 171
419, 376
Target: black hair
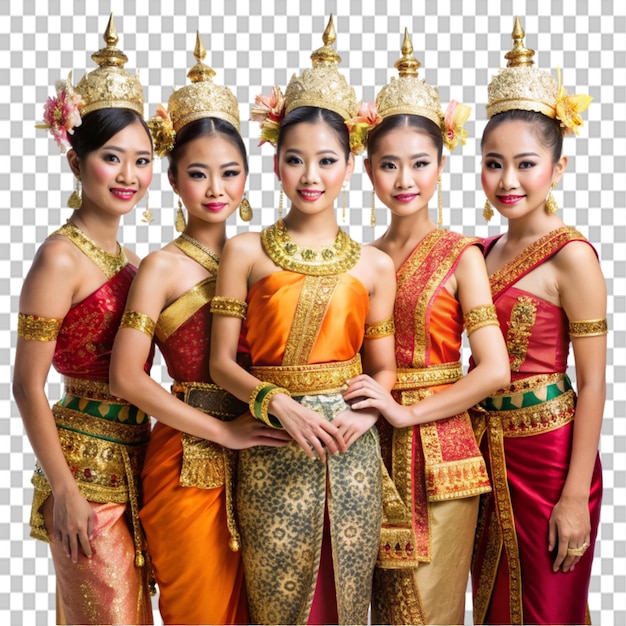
205, 127
99, 126
547, 131
314, 115
404, 120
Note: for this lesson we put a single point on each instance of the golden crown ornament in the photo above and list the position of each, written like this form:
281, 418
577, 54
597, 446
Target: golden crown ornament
321, 86
523, 86
202, 98
409, 94
108, 86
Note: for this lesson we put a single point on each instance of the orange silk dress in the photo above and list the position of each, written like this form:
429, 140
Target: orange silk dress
185, 480
281, 493
436, 463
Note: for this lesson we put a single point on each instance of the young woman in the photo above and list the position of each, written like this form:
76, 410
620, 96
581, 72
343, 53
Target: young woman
537, 530
90, 446
307, 295
427, 439
187, 481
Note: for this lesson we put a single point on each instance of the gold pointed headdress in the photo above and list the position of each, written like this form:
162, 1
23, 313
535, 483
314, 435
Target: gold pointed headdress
108, 86
202, 98
320, 86
523, 86
409, 94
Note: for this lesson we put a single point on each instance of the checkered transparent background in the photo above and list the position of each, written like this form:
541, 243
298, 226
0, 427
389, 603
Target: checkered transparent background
253, 44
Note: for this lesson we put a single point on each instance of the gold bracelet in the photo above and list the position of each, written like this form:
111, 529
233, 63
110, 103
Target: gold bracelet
379, 329
588, 328
231, 307
37, 328
482, 315
139, 321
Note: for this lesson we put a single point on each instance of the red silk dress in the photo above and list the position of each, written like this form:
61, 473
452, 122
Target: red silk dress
104, 440
185, 480
527, 444
437, 462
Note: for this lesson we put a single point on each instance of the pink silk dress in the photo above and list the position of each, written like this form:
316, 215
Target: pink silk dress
104, 440
526, 433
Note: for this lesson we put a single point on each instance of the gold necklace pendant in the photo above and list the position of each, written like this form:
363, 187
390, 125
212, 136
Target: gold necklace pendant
286, 253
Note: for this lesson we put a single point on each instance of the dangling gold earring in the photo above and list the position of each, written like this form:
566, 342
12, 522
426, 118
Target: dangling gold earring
281, 197
344, 201
75, 201
439, 203
551, 205
245, 210
487, 211
180, 222
373, 210
147, 213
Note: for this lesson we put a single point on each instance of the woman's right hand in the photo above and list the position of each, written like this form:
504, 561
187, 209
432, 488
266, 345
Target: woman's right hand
245, 432
313, 432
72, 523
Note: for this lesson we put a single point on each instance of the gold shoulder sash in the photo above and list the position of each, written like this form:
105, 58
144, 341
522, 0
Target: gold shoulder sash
532, 256
420, 278
204, 257
179, 311
109, 264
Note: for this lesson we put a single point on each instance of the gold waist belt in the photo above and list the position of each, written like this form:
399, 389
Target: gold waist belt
209, 398
92, 389
206, 464
302, 380
531, 406
442, 374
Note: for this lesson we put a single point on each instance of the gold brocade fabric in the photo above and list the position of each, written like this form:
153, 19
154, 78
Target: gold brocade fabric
281, 494
105, 459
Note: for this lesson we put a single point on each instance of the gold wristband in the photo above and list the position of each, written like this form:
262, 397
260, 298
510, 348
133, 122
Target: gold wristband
588, 328
483, 315
231, 307
139, 321
254, 402
37, 328
379, 329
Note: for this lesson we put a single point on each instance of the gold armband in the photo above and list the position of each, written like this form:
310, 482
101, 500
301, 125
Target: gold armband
231, 307
588, 328
483, 315
139, 321
259, 403
380, 329
37, 328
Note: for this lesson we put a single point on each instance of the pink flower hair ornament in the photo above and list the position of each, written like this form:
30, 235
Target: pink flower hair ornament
454, 119
360, 126
62, 113
269, 111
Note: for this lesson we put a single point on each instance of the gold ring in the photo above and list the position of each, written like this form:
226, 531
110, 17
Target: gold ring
578, 551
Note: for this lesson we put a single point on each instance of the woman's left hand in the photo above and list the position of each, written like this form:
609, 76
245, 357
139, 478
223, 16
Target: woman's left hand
365, 393
569, 531
353, 424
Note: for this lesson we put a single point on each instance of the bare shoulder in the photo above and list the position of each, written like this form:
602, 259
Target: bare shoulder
378, 259
574, 255
245, 246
